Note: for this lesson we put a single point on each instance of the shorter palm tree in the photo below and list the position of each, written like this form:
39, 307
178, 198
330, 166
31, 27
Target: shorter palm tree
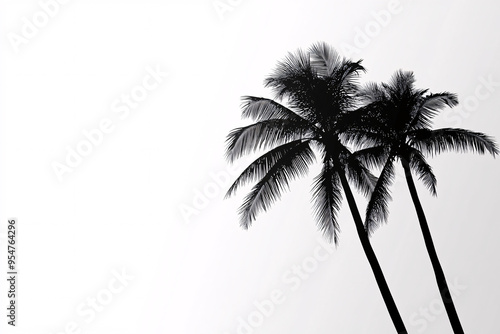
401, 131
321, 91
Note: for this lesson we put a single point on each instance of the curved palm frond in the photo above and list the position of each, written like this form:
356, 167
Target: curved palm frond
419, 165
293, 164
373, 157
372, 92
264, 134
437, 101
452, 139
364, 137
327, 199
261, 109
430, 107
324, 59
359, 175
349, 75
377, 210
261, 166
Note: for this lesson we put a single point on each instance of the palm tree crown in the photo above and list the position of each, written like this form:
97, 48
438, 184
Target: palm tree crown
400, 129
320, 89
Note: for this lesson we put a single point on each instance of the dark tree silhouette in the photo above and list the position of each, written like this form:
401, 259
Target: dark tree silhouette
401, 130
321, 91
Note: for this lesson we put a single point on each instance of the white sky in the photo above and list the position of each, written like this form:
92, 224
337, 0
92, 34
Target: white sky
120, 207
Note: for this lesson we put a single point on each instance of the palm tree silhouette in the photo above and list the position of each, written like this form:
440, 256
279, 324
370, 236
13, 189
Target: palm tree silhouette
320, 89
401, 130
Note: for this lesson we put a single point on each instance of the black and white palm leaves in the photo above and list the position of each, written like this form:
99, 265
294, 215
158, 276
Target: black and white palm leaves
316, 95
400, 124
319, 109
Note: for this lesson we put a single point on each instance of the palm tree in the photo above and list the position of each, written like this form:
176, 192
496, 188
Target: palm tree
320, 89
403, 132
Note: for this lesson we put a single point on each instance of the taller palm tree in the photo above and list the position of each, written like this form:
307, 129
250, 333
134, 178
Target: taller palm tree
403, 133
320, 89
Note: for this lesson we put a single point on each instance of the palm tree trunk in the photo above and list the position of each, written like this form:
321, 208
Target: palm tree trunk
438, 270
372, 258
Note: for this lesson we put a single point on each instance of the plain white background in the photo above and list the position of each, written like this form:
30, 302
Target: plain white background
123, 207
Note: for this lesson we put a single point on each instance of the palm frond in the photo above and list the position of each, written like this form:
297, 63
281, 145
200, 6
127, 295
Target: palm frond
452, 139
324, 58
295, 66
292, 165
327, 200
372, 92
419, 165
437, 101
431, 105
299, 89
357, 173
372, 157
263, 134
350, 72
261, 109
361, 138
377, 210
261, 166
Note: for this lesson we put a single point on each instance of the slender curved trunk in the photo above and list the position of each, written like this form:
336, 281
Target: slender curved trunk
372, 258
438, 270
